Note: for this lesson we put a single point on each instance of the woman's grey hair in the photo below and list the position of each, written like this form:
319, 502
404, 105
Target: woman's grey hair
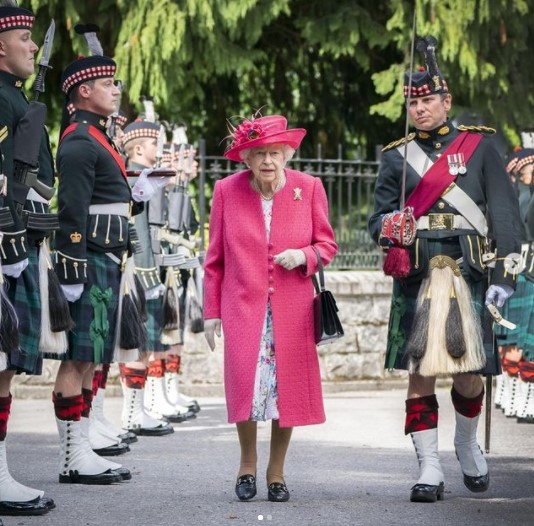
288, 153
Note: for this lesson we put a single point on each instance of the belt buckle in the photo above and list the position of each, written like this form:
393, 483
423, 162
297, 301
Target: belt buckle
441, 221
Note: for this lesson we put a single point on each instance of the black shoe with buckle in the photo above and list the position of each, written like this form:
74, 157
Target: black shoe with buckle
427, 492
278, 492
245, 487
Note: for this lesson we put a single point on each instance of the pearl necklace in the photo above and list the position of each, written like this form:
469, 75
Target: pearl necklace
279, 185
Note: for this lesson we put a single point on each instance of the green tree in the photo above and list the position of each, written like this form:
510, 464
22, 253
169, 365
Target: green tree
333, 67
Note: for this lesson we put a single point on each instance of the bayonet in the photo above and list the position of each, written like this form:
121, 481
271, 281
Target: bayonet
159, 147
181, 153
44, 63
150, 114
112, 131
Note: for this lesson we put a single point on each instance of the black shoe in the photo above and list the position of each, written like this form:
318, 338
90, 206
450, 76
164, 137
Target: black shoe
477, 484
128, 437
278, 492
427, 492
190, 414
31, 507
123, 472
108, 477
161, 430
193, 406
48, 502
176, 418
245, 487
113, 451
525, 420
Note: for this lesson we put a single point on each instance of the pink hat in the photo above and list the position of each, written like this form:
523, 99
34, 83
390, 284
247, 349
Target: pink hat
260, 132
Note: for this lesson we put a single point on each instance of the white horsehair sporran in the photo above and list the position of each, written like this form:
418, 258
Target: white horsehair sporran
446, 335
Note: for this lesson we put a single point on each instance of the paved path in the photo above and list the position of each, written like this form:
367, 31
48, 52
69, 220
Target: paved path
354, 470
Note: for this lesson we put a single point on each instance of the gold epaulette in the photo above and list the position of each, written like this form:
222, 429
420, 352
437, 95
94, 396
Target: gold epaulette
394, 144
479, 129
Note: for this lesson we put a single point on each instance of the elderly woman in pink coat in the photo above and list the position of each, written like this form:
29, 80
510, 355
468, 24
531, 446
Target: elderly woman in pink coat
266, 224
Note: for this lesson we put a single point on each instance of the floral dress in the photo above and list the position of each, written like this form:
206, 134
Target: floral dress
265, 401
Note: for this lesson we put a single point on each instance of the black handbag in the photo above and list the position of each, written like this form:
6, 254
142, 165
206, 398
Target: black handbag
327, 325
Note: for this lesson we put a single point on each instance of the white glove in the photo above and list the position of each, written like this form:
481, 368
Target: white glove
16, 269
155, 293
212, 327
291, 258
145, 187
498, 294
72, 292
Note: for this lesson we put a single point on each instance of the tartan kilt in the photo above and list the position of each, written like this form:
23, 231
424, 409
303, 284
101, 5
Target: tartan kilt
154, 310
403, 307
519, 310
105, 274
528, 319
23, 293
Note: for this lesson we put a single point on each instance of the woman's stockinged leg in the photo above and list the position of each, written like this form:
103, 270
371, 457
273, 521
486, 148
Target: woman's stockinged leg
280, 438
247, 432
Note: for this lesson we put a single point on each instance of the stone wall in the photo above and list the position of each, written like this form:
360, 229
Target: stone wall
363, 298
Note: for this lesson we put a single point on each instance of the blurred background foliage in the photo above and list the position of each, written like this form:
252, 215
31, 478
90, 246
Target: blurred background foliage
334, 68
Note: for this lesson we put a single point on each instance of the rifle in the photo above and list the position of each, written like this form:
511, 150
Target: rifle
27, 138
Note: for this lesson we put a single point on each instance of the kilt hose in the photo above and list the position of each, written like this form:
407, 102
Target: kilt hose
95, 313
404, 305
23, 292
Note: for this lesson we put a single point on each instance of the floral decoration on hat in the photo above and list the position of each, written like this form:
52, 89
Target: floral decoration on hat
260, 131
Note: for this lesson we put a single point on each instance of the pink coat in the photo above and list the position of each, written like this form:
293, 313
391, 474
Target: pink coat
240, 276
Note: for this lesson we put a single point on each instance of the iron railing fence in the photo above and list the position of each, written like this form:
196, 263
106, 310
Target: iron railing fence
349, 185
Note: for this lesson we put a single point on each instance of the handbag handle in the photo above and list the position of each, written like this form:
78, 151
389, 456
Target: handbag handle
319, 287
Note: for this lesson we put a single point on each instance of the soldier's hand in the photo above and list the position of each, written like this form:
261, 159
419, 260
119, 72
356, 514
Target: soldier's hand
498, 294
155, 293
16, 269
290, 258
145, 187
72, 292
212, 327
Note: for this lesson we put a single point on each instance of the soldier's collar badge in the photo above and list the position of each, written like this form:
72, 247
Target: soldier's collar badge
18, 84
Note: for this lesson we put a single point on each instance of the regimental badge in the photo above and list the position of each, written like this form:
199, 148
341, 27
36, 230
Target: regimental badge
18, 84
456, 164
103, 122
75, 237
297, 194
437, 84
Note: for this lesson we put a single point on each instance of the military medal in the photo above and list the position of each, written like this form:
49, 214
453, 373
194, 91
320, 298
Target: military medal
462, 169
453, 164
